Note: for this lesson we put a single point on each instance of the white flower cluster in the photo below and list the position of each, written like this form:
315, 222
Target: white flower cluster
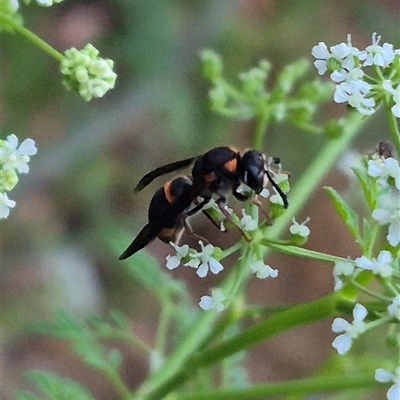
385, 174
361, 91
87, 73
351, 331
13, 159
386, 171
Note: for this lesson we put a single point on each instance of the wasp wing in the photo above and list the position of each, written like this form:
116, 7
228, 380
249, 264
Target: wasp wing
145, 236
165, 169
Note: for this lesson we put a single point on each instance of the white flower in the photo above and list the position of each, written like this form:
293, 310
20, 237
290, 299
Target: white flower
300, 229
396, 98
355, 93
213, 302
181, 252
377, 55
383, 169
342, 268
262, 270
16, 157
342, 52
387, 85
247, 222
394, 308
355, 74
204, 261
379, 266
321, 53
5, 205
388, 212
343, 342
384, 376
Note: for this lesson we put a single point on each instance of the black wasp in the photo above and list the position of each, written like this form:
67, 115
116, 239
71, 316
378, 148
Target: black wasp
167, 214
218, 171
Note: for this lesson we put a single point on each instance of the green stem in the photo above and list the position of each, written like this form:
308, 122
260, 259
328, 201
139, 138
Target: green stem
166, 310
287, 320
261, 127
301, 252
295, 387
274, 325
394, 128
32, 37
119, 386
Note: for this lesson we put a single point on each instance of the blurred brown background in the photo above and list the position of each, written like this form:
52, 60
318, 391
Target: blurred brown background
55, 245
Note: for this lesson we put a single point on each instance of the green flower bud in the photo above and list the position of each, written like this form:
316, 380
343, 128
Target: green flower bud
8, 180
218, 98
211, 66
333, 129
87, 73
253, 81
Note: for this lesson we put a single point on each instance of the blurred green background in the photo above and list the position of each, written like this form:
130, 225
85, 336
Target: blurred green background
76, 211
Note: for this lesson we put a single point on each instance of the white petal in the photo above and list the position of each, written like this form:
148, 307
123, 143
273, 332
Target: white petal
340, 325
384, 257
383, 376
393, 236
202, 270
342, 344
321, 66
320, 51
12, 141
206, 302
381, 215
27, 147
364, 263
359, 312
172, 262
215, 266
394, 392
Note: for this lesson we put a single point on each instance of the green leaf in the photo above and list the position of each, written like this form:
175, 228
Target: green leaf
367, 186
349, 217
56, 387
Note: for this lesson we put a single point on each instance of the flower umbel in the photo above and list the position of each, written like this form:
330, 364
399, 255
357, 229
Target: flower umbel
13, 158
86, 72
346, 64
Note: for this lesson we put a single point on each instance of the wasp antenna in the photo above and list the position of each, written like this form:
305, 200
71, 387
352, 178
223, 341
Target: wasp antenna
278, 189
145, 236
165, 169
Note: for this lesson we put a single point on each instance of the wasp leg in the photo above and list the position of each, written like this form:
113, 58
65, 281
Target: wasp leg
198, 207
221, 202
190, 231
